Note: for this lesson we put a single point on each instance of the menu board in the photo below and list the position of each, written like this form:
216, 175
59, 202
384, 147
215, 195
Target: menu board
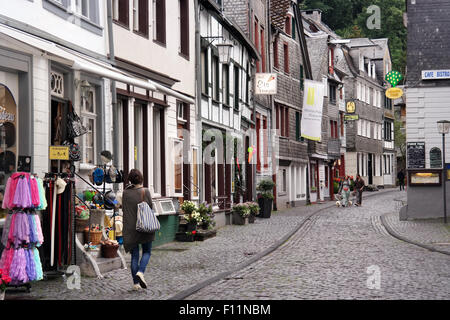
416, 155
435, 158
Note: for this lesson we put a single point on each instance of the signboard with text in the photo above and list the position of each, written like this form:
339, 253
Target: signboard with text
416, 155
435, 74
266, 83
311, 124
59, 153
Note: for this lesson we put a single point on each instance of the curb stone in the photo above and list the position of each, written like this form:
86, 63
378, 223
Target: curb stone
394, 234
193, 289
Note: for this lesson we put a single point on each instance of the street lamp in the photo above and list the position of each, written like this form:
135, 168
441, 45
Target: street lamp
443, 127
224, 52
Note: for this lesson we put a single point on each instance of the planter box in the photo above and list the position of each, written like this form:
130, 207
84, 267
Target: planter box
237, 219
265, 208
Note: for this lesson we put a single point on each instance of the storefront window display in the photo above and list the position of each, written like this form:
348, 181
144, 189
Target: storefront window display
8, 138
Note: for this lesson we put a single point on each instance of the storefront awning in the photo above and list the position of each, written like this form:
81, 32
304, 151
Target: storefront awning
81, 62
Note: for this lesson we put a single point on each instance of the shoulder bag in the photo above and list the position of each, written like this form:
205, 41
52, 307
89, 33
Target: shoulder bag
146, 219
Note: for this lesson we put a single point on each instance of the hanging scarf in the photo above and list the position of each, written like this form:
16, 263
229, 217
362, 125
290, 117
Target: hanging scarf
37, 263
22, 230
6, 230
42, 198
33, 231
30, 267
34, 190
11, 230
40, 235
6, 260
22, 196
18, 271
7, 195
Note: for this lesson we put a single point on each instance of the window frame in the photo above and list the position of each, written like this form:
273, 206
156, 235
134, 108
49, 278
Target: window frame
85, 116
159, 22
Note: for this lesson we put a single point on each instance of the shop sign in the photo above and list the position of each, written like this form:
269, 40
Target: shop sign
394, 93
266, 83
351, 117
425, 178
59, 153
435, 74
350, 107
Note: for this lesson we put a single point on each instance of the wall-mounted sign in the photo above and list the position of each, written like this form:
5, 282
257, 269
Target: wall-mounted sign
394, 78
416, 155
266, 83
351, 117
59, 153
394, 93
427, 177
435, 74
350, 107
435, 158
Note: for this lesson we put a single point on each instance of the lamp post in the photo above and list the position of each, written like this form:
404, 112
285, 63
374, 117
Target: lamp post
444, 128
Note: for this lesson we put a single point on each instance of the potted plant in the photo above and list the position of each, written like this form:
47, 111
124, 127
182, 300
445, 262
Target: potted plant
4, 281
207, 215
241, 211
254, 211
191, 215
265, 197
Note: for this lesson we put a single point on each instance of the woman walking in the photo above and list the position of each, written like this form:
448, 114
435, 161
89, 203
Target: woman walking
132, 196
359, 187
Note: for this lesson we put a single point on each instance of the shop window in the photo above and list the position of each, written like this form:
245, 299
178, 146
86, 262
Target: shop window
120, 11
89, 118
159, 21
140, 17
8, 135
184, 27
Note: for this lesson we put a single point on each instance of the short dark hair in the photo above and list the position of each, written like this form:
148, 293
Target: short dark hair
135, 176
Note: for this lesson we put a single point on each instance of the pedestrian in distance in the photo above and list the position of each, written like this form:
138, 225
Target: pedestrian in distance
134, 194
401, 179
359, 188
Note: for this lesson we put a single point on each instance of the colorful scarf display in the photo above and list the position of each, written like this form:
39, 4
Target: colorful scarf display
24, 191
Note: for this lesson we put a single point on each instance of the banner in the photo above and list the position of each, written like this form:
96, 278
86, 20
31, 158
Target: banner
311, 125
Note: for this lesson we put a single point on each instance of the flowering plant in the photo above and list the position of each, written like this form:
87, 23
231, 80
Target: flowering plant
242, 209
4, 280
253, 207
194, 217
188, 207
206, 212
191, 233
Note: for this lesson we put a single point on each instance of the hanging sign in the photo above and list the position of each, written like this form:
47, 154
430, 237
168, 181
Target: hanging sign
351, 117
394, 93
311, 123
266, 83
350, 107
59, 153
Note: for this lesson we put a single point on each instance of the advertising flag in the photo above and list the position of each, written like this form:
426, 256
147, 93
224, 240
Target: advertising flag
311, 124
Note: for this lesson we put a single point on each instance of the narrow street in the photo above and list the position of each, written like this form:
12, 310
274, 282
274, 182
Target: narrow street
327, 258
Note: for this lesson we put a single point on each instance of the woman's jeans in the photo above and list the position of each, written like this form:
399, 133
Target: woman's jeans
137, 266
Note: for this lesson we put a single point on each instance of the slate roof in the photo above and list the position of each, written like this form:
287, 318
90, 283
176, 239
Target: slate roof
278, 12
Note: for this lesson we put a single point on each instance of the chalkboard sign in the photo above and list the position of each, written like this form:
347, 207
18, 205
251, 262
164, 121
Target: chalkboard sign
435, 158
416, 155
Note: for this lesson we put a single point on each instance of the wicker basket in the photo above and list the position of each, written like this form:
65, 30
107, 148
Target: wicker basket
81, 224
109, 250
95, 237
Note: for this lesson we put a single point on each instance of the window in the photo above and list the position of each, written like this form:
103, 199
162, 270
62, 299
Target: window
184, 27
363, 93
276, 60
159, 21
120, 11
341, 118
140, 17
215, 78
256, 40
265, 143
287, 25
236, 87
388, 130
331, 60
89, 117
286, 57
358, 91
282, 119
226, 84
263, 51
334, 129
332, 93
178, 166
294, 25
204, 66
82, 7
297, 126
158, 118
359, 127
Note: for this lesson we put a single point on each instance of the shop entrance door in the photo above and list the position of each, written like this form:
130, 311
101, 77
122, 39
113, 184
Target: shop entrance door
58, 126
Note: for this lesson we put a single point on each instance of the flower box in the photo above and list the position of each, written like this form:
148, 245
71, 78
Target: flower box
238, 219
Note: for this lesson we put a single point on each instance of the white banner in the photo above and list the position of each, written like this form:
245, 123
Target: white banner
311, 124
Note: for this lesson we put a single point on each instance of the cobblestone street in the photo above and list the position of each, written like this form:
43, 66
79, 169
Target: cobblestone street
327, 258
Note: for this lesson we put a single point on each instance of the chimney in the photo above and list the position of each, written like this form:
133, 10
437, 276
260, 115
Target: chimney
314, 14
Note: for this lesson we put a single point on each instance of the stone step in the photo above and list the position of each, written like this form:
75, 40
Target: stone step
108, 264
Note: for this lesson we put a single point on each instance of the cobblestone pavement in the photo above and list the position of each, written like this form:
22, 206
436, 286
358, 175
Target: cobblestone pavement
430, 232
177, 266
337, 255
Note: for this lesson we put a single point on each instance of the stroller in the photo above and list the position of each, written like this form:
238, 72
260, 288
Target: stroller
343, 198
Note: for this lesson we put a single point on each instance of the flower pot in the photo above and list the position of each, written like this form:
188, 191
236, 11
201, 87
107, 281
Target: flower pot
265, 207
251, 218
238, 219
191, 226
2, 295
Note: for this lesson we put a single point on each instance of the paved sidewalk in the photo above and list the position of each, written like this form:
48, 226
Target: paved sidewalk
178, 266
430, 233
